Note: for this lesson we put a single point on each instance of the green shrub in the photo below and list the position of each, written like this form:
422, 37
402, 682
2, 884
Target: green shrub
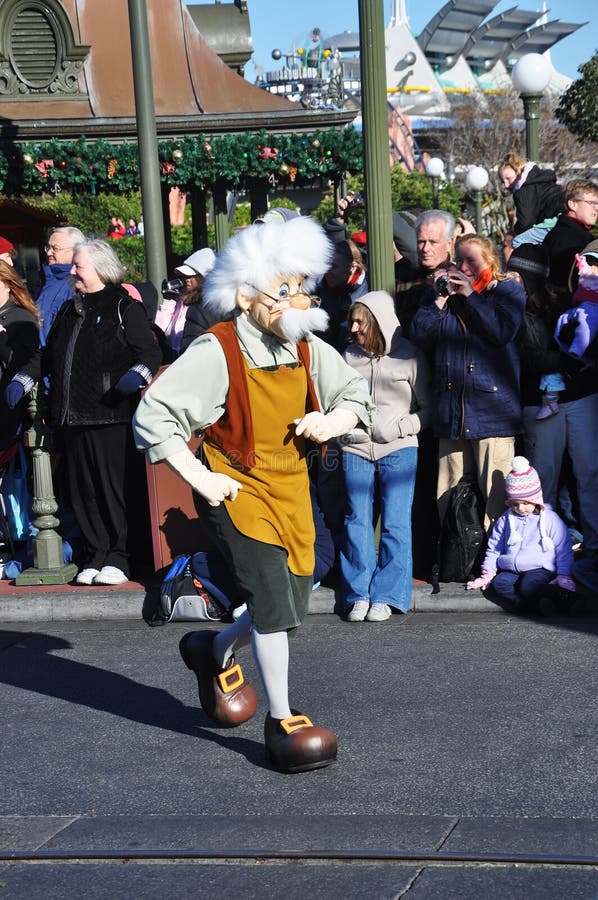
131, 252
407, 189
91, 214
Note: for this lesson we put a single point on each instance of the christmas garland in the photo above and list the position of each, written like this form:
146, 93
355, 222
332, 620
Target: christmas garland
236, 160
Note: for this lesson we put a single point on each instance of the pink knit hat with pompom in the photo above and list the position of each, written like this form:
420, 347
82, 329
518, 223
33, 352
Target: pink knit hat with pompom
523, 483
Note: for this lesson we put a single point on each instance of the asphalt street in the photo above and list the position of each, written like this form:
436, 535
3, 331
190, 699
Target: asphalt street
467, 765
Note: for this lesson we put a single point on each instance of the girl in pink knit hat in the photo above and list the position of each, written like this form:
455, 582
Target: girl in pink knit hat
529, 547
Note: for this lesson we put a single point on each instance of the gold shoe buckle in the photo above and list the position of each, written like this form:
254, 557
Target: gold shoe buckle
294, 723
231, 679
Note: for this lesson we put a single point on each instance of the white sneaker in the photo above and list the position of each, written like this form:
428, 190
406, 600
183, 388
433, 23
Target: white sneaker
379, 612
86, 576
359, 611
110, 575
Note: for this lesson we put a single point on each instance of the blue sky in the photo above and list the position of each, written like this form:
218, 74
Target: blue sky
288, 24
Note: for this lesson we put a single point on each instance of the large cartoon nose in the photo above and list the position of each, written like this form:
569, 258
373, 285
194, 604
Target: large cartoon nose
300, 301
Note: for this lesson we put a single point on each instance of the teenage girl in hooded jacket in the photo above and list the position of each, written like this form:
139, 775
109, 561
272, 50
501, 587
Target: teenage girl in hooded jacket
399, 383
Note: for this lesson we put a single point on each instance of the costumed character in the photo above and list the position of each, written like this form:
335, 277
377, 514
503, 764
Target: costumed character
257, 385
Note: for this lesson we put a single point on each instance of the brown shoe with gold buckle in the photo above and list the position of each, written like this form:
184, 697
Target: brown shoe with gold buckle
295, 744
224, 694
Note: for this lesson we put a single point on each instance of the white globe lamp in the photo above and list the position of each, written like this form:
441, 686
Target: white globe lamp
434, 170
531, 75
475, 182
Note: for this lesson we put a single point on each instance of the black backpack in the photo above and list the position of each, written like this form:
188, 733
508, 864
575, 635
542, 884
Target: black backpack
462, 538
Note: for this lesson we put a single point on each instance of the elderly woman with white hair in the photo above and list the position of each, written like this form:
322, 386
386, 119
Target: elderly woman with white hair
257, 385
100, 351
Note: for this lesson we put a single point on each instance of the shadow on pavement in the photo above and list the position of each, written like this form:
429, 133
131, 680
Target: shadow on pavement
33, 667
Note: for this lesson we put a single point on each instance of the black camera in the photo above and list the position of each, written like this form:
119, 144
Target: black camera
171, 288
358, 202
442, 286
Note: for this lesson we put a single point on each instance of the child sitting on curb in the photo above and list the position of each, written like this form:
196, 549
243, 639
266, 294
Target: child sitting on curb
529, 547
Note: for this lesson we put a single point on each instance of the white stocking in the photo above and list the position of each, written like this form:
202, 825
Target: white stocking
271, 652
232, 638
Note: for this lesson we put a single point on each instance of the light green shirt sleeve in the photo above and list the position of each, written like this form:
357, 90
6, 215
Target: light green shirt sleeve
191, 393
187, 397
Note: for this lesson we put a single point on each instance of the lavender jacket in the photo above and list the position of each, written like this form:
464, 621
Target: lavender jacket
521, 543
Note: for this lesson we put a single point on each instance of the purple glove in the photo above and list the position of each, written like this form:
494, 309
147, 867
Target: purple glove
13, 393
482, 582
130, 382
565, 582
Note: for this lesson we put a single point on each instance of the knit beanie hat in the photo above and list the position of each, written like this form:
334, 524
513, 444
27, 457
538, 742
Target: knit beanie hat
6, 246
523, 483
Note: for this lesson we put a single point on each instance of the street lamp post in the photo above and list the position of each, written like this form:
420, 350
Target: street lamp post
381, 275
475, 182
531, 75
434, 170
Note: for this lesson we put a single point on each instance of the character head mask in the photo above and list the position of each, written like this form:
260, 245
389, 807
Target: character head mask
262, 257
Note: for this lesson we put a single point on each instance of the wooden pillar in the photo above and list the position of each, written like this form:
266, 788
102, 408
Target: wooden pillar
165, 191
199, 225
221, 225
258, 195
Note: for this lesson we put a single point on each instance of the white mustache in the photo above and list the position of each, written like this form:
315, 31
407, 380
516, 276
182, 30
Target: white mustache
295, 324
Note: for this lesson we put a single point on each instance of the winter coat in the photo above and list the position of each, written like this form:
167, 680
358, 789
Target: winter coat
522, 543
398, 382
58, 288
19, 345
197, 321
538, 198
94, 340
476, 360
568, 237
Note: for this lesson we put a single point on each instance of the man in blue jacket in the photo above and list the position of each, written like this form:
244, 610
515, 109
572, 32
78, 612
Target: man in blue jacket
58, 287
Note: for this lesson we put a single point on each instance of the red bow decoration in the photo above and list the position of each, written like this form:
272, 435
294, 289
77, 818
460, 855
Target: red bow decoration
268, 153
43, 165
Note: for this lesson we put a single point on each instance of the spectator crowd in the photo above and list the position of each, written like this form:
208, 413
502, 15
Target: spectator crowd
480, 368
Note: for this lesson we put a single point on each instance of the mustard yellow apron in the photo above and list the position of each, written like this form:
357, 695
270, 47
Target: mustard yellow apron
274, 505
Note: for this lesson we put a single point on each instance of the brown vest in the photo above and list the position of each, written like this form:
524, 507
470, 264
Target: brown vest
233, 432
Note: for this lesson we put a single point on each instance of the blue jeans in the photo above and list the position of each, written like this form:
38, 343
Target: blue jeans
388, 578
522, 586
576, 429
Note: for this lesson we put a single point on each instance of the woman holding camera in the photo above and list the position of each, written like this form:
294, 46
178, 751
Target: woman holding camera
470, 321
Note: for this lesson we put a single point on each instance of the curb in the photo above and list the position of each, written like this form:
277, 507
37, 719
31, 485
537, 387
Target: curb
37, 605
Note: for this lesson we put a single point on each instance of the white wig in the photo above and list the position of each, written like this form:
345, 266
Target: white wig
254, 257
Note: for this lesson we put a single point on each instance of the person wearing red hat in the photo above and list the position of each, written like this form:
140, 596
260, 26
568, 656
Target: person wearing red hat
7, 251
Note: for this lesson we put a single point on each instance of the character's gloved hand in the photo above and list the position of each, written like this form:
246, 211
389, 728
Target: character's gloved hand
565, 582
130, 382
211, 485
14, 393
320, 427
482, 582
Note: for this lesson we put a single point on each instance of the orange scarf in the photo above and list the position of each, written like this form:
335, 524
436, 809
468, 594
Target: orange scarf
483, 280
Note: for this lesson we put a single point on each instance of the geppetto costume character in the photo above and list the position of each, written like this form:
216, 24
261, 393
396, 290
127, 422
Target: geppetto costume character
257, 385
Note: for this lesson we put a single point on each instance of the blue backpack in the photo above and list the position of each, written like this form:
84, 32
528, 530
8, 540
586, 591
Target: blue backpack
184, 598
